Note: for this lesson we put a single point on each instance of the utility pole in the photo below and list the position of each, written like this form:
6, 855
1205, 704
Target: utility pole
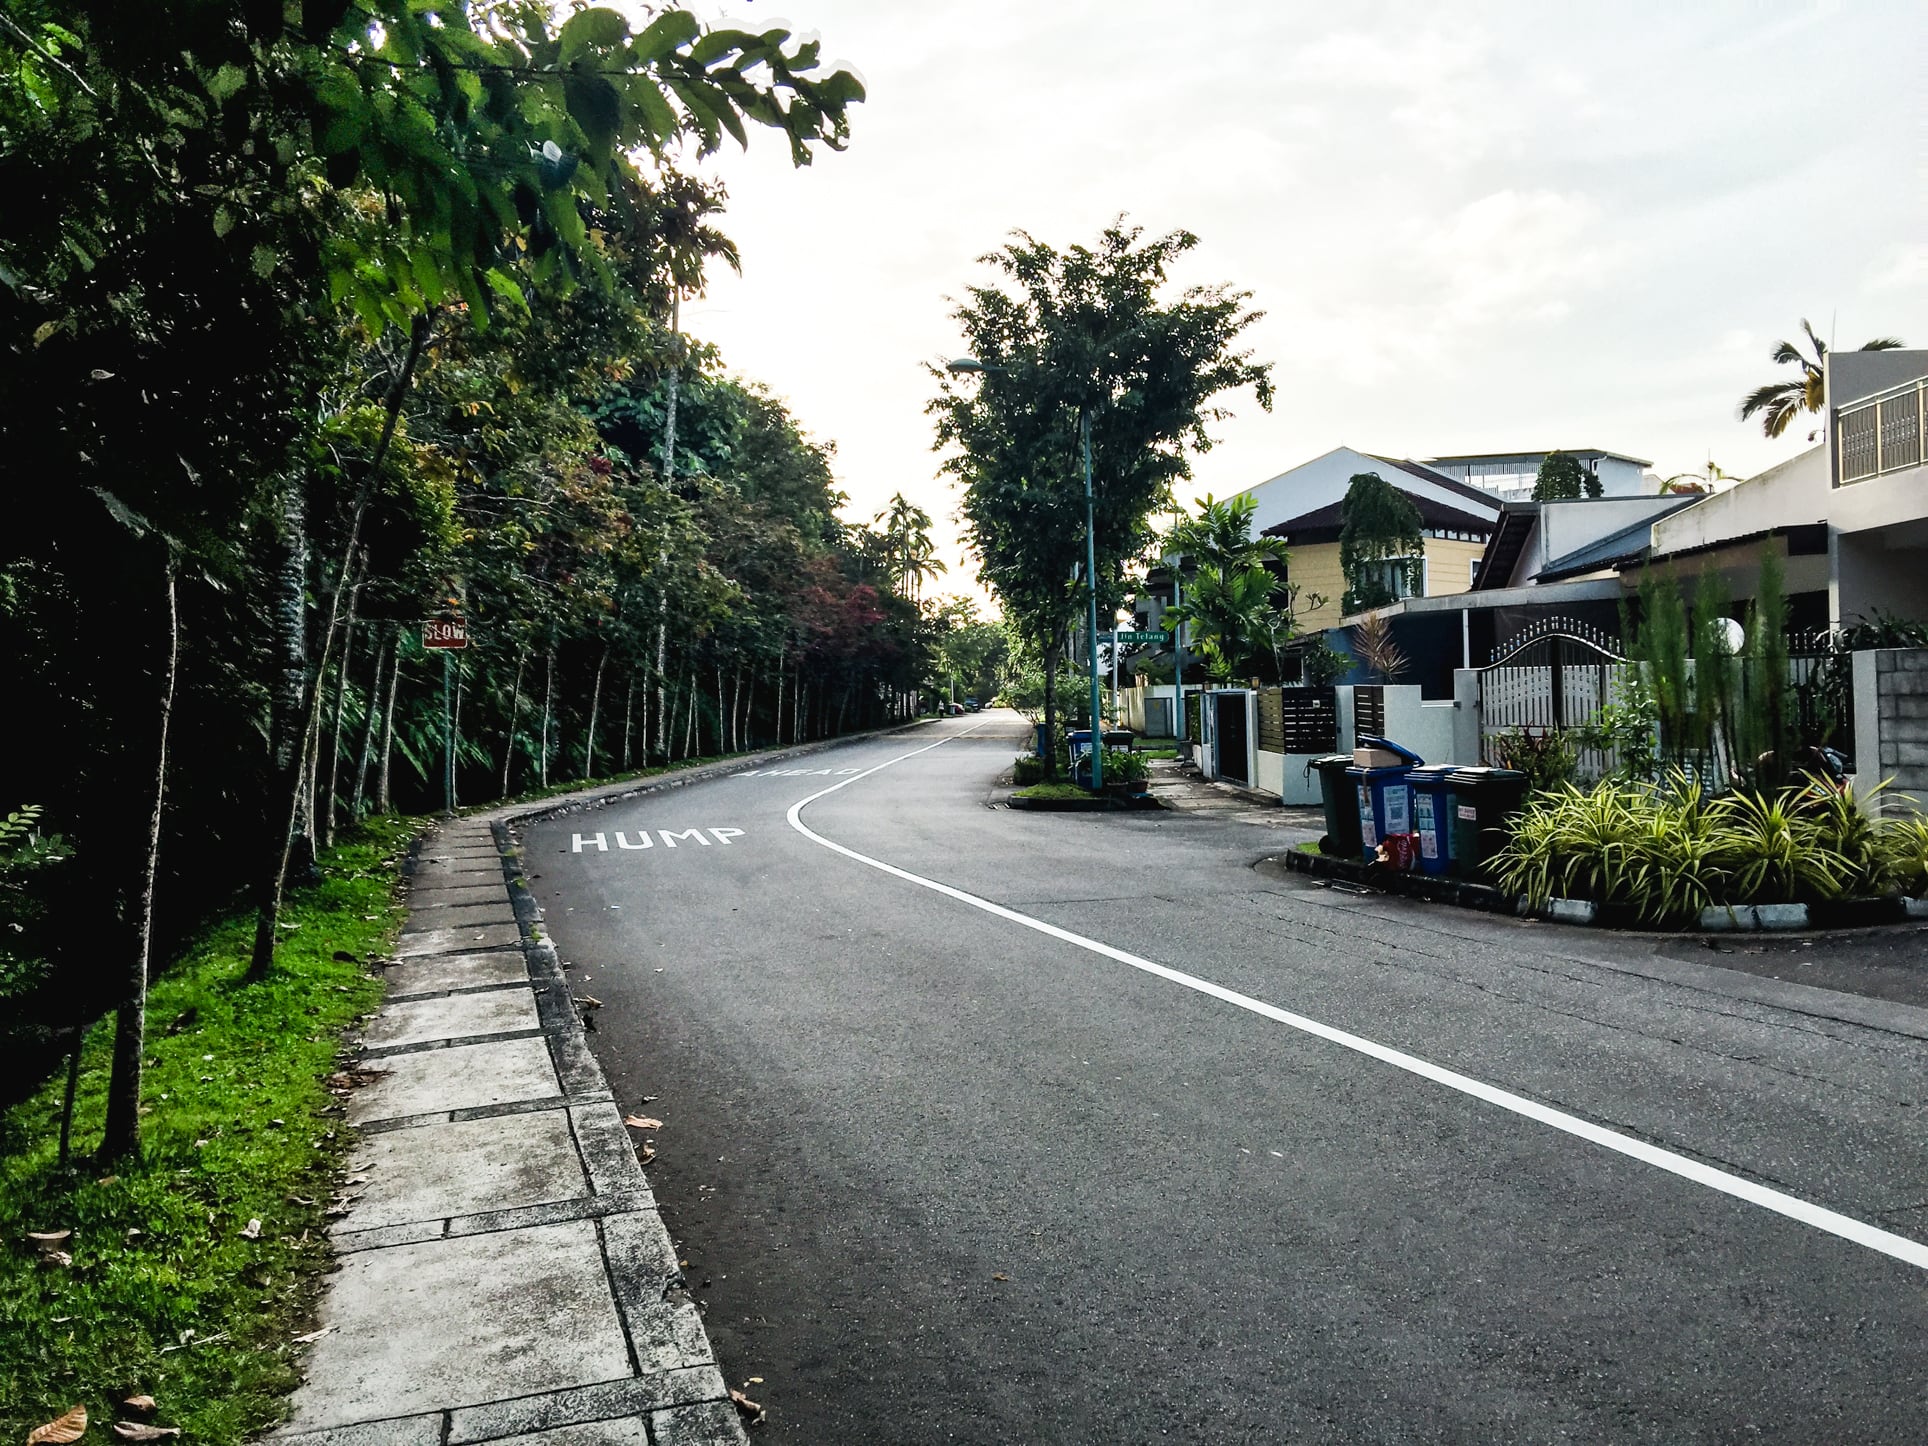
1091, 582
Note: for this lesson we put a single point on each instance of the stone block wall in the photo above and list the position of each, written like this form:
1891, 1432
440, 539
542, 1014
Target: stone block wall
1901, 712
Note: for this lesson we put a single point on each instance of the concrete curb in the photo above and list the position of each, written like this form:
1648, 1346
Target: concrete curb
1586, 914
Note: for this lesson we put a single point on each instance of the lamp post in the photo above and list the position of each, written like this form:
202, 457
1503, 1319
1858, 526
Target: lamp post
972, 364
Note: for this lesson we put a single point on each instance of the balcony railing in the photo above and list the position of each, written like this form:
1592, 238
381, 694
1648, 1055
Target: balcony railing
1881, 434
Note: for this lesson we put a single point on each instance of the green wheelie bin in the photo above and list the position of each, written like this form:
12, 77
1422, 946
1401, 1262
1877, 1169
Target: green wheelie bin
1483, 799
1341, 808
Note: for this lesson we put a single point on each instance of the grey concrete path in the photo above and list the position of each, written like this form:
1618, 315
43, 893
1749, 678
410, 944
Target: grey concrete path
505, 1274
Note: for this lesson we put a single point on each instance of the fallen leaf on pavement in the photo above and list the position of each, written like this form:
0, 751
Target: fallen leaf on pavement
70, 1427
642, 1122
754, 1381
754, 1413
312, 1336
644, 1154
143, 1404
135, 1431
588, 1001
999, 1275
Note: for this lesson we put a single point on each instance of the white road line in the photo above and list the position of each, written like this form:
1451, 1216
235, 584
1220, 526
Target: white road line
1819, 1217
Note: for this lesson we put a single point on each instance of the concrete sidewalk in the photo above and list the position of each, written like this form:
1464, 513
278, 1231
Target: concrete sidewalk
505, 1275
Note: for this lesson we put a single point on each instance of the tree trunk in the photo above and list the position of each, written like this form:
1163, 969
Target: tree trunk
629, 709
776, 732
285, 823
369, 710
343, 671
382, 799
122, 1135
595, 704
722, 747
690, 735
288, 722
515, 708
548, 699
1050, 709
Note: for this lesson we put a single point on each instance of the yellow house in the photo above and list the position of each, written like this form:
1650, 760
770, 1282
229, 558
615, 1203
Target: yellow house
1454, 542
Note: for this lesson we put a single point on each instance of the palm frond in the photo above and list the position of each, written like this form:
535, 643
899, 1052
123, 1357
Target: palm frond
1883, 343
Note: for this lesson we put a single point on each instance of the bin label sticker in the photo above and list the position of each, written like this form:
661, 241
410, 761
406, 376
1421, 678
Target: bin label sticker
1424, 822
1469, 813
1368, 825
1398, 813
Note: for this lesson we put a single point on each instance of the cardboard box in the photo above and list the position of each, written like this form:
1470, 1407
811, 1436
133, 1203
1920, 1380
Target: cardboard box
1375, 758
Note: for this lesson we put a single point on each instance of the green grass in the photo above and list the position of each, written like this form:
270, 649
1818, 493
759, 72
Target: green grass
1053, 791
1310, 848
238, 1126
1168, 751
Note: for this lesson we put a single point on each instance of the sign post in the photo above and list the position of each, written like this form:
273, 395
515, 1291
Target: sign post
447, 636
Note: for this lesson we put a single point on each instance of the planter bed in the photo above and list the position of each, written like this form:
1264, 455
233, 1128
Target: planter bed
1834, 914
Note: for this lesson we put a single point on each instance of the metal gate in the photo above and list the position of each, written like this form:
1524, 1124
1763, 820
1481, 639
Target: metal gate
1555, 675
1232, 737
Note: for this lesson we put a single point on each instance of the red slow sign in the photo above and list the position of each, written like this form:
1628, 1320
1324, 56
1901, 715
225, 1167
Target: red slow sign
445, 633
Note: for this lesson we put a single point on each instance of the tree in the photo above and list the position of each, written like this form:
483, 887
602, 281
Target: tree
1237, 604
1779, 403
1380, 532
1562, 479
1084, 338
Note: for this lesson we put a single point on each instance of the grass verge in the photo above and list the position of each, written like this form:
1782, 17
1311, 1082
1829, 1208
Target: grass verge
1167, 752
1053, 791
167, 1294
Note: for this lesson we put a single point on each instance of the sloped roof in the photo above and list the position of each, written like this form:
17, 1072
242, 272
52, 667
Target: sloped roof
1440, 479
1432, 514
1629, 544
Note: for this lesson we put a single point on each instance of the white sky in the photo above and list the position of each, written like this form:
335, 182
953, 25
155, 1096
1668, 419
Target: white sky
1480, 227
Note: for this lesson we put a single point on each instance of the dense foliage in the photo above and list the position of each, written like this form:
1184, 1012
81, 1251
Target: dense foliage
1561, 478
1382, 544
322, 320
1237, 605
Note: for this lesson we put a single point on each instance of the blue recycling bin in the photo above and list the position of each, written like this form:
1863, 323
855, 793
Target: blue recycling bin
1042, 743
1080, 741
1432, 790
1385, 797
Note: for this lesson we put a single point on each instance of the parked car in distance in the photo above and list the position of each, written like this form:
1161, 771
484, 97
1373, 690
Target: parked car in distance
970, 705
957, 710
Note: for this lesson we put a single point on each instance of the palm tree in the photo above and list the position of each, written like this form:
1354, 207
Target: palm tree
1780, 402
911, 554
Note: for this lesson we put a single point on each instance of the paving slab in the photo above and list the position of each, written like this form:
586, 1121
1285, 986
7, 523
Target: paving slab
453, 893
453, 1323
433, 973
477, 914
455, 941
630, 1432
453, 1016
462, 1077
435, 1172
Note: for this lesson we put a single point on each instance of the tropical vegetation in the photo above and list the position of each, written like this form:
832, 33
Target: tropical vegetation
1779, 403
1237, 603
326, 320
1382, 544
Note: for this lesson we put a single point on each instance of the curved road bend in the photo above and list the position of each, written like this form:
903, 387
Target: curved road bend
942, 1176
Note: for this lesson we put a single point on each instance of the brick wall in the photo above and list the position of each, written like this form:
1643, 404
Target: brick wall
1901, 707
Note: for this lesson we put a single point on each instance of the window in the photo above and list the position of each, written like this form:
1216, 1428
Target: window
1472, 571
1402, 577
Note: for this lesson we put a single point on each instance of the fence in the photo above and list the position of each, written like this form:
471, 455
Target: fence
1557, 675
1298, 720
1882, 434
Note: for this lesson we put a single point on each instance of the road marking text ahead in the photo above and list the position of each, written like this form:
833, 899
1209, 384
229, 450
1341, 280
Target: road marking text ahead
669, 836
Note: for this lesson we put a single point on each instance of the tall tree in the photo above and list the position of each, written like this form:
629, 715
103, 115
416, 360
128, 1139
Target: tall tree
1087, 337
1779, 403
1561, 478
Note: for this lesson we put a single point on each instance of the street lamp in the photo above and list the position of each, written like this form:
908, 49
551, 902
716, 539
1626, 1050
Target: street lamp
965, 364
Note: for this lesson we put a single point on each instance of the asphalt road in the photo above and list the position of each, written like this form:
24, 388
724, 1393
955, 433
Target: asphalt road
941, 1176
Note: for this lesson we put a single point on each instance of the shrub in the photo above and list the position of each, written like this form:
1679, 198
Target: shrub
1666, 851
1547, 759
1028, 768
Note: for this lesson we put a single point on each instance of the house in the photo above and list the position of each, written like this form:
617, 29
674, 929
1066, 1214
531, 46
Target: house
1509, 476
1302, 505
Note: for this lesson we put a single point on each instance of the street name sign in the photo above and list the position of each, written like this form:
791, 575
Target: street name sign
1153, 636
445, 633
